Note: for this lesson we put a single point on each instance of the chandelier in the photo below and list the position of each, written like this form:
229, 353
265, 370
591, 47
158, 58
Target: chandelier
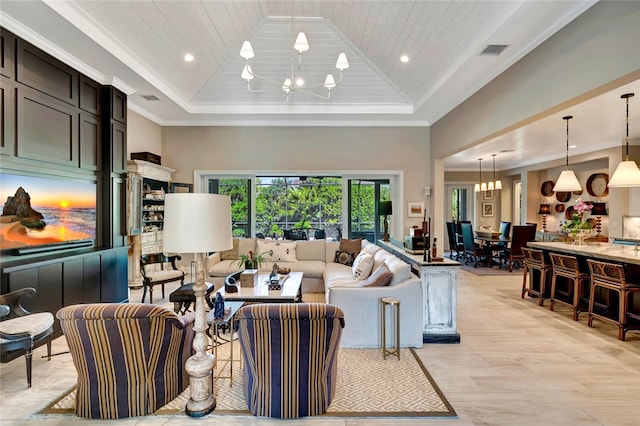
293, 82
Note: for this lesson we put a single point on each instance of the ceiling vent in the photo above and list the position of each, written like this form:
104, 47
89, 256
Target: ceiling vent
493, 49
151, 97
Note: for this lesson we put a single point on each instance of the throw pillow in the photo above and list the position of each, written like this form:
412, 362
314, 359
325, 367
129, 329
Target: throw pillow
379, 278
362, 266
231, 254
283, 251
344, 257
351, 246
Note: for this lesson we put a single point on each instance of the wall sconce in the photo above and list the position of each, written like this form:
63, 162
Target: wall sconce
544, 211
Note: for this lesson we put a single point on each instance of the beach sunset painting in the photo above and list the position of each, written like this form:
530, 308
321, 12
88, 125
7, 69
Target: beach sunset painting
68, 209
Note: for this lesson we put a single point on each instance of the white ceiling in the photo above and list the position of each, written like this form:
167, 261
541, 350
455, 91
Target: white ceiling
138, 46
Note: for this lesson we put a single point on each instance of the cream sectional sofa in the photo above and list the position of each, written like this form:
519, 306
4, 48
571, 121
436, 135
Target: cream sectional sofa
361, 306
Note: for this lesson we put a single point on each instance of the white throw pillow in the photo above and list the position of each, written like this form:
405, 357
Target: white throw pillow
283, 251
362, 266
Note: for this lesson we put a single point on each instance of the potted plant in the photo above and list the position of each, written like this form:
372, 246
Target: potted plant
578, 228
252, 260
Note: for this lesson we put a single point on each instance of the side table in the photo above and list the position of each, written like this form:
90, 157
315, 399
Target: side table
215, 326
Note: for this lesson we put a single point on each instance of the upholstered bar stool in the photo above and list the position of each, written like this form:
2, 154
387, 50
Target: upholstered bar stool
394, 305
534, 261
611, 276
577, 282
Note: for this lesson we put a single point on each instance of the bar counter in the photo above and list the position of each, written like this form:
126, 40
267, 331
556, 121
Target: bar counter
617, 253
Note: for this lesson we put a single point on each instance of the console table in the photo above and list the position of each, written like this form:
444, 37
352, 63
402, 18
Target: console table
439, 288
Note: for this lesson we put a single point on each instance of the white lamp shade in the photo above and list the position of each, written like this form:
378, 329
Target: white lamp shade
301, 44
197, 223
247, 73
490, 186
627, 174
498, 184
483, 186
329, 82
246, 51
567, 182
476, 187
342, 63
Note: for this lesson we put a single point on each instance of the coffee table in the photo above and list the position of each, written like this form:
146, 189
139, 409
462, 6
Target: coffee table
291, 291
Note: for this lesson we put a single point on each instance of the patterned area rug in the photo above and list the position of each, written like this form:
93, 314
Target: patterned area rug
367, 386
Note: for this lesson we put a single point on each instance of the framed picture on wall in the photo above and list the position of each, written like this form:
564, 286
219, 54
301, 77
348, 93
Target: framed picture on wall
415, 209
487, 195
178, 187
487, 210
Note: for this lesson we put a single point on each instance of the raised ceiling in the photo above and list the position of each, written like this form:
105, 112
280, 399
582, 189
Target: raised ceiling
138, 46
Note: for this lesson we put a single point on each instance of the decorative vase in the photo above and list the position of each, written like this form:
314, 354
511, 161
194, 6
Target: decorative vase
218, 307
579, 235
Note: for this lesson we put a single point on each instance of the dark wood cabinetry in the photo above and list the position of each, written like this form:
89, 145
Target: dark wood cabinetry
79, 278
58, 123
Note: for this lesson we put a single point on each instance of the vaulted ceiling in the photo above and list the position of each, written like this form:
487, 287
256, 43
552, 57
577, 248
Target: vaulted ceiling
139, 46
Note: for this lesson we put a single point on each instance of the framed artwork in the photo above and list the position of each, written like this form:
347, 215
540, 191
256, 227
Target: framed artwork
487, 195
415, 209
180, 187
487, 210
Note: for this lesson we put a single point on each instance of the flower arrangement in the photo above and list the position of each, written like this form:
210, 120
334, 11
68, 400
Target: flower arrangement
578, 220
253, 261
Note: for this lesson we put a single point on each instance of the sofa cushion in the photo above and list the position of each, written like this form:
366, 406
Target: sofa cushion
330, 250
337, 275
380, 278
344, 257
245, 245
231, 254
283, 250
351, 246
379, 257
310, 250
400, 269
370, 248
362, 266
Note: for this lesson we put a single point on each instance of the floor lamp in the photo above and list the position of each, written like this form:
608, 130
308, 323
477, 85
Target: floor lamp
384, 209
198, 223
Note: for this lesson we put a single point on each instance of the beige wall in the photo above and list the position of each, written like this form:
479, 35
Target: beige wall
143, 135
302, 149
575, 64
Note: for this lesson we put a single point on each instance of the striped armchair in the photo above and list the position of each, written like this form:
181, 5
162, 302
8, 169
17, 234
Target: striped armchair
129, 357
290, 354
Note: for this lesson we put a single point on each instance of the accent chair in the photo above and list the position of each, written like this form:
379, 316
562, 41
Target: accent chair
129, 357
290, 355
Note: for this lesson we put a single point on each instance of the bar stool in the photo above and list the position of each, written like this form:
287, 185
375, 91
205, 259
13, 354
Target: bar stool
577, 281
534, 260
611, 276
393, 304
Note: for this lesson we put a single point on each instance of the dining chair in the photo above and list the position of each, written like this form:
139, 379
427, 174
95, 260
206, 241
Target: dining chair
455, 241
505, 229
473, 251
522, 234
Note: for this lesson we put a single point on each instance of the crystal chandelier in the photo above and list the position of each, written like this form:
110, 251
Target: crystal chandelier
293, 82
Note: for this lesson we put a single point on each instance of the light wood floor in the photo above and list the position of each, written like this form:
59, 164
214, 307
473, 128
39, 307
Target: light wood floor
517, 364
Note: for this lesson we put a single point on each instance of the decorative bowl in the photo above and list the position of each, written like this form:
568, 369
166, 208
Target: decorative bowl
283, 270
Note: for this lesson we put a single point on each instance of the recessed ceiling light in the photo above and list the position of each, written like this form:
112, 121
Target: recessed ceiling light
188, 57
573, 146
404, 58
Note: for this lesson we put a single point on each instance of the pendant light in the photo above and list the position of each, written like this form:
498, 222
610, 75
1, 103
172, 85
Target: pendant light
480, 186
495, 183
567, 182
627, 173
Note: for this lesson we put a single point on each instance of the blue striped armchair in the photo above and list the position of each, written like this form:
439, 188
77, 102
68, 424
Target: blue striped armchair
290, 354
129, 357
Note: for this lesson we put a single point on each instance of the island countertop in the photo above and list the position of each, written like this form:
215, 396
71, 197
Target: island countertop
604, 251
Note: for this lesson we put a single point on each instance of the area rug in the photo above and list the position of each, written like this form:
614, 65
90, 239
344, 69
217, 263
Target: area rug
367, 386
484, 271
